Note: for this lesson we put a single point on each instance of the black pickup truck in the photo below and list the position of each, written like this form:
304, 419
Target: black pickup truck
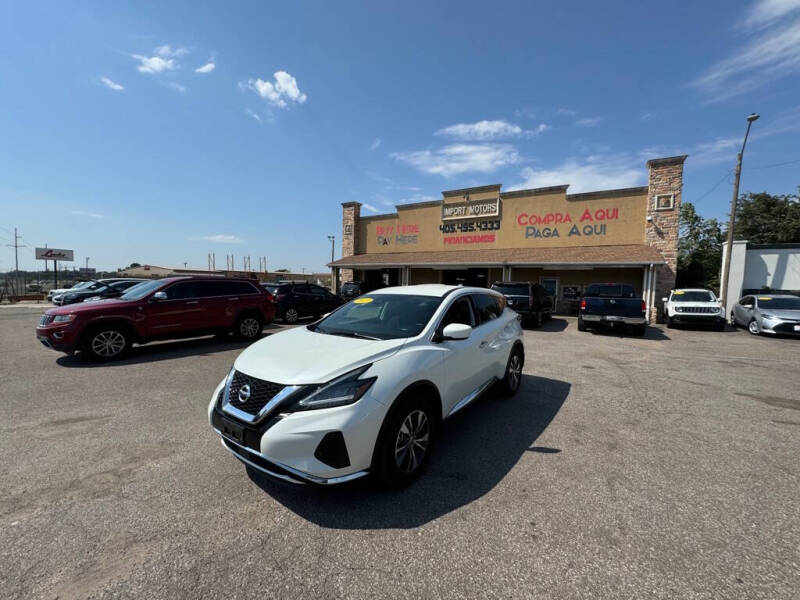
612, 305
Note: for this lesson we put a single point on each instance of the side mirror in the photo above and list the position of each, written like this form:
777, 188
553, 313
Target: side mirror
456, 331
664, 299
159, 296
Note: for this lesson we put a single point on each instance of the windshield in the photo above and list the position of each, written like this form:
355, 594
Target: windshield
272, 289
681, 296
511, 289
610, 291
381, 317
80, 285
140, 290
350, 286
779, 303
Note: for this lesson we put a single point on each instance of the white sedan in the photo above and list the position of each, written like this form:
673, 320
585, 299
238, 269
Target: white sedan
364, 389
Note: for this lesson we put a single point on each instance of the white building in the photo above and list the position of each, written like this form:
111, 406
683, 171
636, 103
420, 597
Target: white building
761, 267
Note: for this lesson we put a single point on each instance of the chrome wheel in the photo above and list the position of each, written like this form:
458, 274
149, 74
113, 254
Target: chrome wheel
108, 343
412, 442
249, 327
752, 327
290, 316
514, 372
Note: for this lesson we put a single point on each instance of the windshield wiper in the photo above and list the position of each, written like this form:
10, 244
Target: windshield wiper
354, 334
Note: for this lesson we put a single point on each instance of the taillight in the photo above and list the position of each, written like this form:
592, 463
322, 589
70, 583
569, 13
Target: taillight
644, 306
583, 303
280, 297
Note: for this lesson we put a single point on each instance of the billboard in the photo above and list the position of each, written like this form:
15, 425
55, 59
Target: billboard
54, 254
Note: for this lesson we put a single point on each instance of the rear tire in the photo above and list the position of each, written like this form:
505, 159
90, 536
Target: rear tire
539, 320
405, 442
248, 326
581, 324
512, 380
290, 316
104, 344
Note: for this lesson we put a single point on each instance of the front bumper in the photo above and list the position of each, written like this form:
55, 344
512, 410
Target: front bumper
689, 318
613, 319
61, 338
778, 327
289, 446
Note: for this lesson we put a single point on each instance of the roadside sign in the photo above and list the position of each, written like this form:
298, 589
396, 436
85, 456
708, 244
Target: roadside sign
55, 254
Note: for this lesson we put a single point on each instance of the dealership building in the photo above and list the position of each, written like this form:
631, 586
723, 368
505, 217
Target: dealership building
475, 236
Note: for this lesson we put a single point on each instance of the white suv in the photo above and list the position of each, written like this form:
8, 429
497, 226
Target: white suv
365, 388
693, 306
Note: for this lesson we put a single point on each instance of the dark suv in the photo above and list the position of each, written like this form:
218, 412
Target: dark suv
351, 289
530, 300
297, 300
159, 309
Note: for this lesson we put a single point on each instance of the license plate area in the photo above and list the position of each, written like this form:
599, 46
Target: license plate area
613, 318
797, 327
231, 430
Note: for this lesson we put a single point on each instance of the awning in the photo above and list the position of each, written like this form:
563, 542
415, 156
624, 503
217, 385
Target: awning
627, 255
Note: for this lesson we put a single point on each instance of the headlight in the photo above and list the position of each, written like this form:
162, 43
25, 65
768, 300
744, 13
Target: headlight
63, 318
343, 390
768, 317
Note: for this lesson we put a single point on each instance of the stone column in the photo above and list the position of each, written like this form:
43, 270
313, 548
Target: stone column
351, 213
665, 184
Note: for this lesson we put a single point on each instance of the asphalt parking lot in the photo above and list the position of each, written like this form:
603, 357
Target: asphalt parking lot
656, 467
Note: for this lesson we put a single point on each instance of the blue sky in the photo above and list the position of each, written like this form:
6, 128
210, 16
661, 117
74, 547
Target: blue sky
160, 132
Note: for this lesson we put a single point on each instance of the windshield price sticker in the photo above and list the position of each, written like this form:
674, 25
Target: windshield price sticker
679, 293
765, 297
362, 300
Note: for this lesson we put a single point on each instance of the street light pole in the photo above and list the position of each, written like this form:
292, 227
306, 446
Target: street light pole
332, 239
726, 269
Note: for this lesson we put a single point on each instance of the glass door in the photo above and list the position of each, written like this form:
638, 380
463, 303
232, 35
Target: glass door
551, 285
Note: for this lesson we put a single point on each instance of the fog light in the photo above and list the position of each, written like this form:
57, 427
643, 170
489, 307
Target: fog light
58, 334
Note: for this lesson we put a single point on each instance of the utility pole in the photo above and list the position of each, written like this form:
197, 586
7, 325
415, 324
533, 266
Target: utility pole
87, 265
726, 269
332, 239
16, 245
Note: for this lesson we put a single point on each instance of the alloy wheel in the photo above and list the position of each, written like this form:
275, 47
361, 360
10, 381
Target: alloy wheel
514, 372
249, 327
412, 442
752, 327
290, 316
108, 343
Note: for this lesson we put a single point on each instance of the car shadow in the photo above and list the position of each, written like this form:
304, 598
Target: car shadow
158, 351
552, 325
476, 449
651, 333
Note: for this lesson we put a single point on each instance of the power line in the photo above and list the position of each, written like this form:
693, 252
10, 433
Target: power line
780, 164
716, 185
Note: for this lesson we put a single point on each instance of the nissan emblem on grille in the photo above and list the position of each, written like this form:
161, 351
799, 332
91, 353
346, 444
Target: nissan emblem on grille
244, 393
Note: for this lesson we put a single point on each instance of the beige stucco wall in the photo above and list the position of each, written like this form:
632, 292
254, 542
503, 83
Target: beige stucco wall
537, 220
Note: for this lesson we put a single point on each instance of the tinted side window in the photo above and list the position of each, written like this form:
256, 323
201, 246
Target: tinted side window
459, 312
238, 288
486, 308
318, 291
182, 290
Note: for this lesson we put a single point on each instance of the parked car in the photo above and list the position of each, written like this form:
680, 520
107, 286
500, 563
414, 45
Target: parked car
297, 300
58, 291
78, 294
768, 313
364, 389
692, 307
101, 289
612, 305
528, 299
350, 290
170, 308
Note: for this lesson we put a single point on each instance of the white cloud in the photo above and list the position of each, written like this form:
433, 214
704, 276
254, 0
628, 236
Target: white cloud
168, 52
460, 158
255, 115
771, 53
376, 144
718, 150
648, 116
541, 128
588, 121
598, 172
83, 213
481, 131
280, 92
222, 238
111, 84
155, 64
369, 207
206, 68
177, 87
567, 112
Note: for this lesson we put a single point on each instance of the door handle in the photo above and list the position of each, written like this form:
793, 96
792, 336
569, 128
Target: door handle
230, 299
193, 302
483, 344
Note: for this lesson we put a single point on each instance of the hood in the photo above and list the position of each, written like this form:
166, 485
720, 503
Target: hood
82, 306
789, 315
299, 356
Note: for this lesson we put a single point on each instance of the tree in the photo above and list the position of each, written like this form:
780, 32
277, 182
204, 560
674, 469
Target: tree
766, 219
699, 249
281, 270
133, 265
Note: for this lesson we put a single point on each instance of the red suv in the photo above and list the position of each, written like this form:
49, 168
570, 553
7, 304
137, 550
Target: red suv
161, 309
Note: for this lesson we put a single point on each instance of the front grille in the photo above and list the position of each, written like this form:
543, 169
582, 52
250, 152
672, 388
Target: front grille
261, 392
698, 309
45, 319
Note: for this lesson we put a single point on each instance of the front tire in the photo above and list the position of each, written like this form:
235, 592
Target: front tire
405, 442
670, 322
752, 327
513, 377
104, 344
